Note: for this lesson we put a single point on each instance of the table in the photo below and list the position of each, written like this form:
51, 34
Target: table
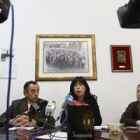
128, 134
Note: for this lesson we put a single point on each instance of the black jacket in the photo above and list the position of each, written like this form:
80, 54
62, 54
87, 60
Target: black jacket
91, 101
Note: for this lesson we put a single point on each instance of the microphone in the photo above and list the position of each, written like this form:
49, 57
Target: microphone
50, 108
68, 101
76, 103
36, 107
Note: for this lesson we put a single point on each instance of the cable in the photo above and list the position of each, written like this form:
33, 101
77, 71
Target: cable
10, 70
18, 128
52, 124
50, 129
40, 129
15, 118
51, 136
31, 133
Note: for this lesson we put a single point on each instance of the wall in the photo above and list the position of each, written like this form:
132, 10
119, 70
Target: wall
114, 90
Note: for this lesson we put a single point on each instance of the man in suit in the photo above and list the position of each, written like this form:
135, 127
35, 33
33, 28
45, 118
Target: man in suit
31, 93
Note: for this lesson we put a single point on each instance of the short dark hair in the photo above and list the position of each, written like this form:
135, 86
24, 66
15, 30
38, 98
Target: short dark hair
26, 85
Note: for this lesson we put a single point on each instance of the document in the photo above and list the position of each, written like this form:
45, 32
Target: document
21, 128
4, 63
101, 128
131, 127
55, 136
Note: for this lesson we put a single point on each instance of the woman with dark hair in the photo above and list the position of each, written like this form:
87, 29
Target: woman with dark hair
80, 91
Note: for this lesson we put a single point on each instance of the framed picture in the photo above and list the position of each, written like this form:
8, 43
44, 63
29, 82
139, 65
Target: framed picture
63, 57
121, 58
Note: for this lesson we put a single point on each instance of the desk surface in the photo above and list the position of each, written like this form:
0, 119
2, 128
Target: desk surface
127, 135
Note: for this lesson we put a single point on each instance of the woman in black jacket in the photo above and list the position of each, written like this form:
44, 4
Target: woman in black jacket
80, 91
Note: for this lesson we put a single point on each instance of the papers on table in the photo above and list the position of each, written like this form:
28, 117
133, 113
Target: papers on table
101, 128
131, 127
57, 136
21, 128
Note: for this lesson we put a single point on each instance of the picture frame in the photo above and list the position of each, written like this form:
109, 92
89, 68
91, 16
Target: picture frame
121, 58
63, 57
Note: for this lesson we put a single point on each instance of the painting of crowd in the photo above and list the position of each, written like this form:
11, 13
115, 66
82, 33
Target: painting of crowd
64, 56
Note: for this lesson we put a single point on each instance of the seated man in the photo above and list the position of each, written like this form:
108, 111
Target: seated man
31, 93
131, 116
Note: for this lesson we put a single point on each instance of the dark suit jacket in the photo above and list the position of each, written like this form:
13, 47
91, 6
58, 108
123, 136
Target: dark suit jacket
19, 106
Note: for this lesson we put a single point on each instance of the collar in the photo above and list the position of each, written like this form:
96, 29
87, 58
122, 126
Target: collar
29, 103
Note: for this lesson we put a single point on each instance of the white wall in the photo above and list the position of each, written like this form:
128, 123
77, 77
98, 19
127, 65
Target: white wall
114, 90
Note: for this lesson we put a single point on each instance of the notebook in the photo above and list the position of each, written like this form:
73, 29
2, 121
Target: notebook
80, 123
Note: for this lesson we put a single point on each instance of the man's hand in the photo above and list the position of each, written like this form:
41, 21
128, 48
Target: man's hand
22, 120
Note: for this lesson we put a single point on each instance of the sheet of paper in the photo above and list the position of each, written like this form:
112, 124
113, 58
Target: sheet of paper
105, 127
57, 136
21, 128
4, 63
131, 127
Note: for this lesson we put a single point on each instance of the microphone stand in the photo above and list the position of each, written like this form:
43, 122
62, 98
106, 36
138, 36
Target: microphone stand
30, 117
30, 121
48, 117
